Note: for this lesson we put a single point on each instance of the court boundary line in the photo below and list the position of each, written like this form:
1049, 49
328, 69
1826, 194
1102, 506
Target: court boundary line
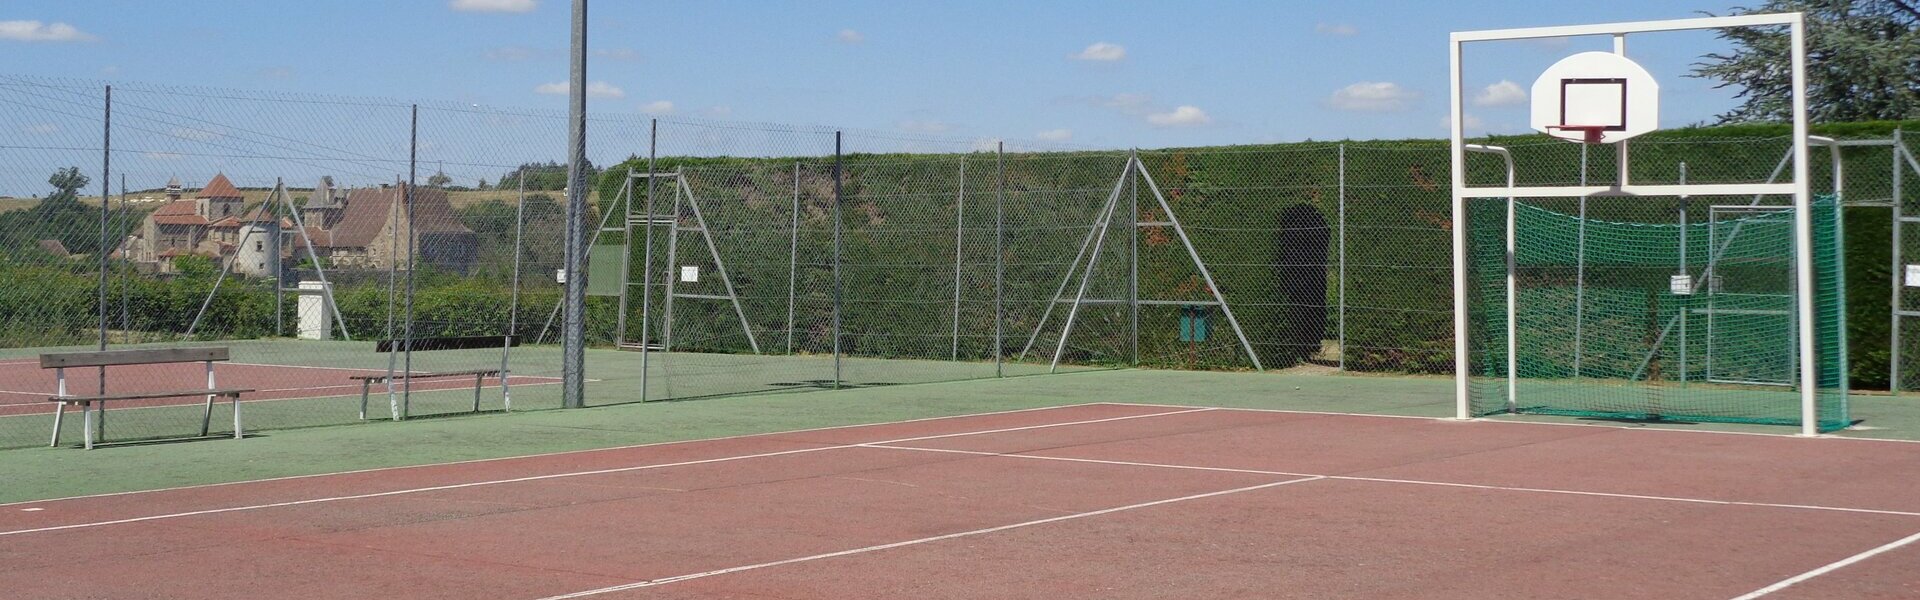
924, 540
535, 455
1793, 436
548, 476
1829, 568
1395, 480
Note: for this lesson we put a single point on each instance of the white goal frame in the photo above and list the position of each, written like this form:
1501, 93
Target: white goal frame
1798, 187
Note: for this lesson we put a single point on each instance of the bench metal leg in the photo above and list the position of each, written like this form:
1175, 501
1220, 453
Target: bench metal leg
237, 432
206, 418
86, 429
477, 382
365, 385
58, 416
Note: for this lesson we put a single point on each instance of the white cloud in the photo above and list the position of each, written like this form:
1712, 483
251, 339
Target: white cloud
658, 107
35, 31
1101, 52
1336, 29
595, 89
1505, 93
928, 126
515, 6
985, 144
1055, 135
849, 36
1181, 116
1372, 96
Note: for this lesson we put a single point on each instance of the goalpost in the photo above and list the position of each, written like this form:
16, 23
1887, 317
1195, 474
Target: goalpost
1603, 99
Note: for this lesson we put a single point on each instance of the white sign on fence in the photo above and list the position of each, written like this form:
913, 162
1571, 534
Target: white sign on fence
690, 274
1680, 285
1913, 275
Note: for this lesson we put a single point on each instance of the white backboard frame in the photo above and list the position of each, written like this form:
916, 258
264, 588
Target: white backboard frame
1798, 187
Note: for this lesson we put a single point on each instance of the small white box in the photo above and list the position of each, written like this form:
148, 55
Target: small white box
1680, 285
560, 276
1913, 275
690, 274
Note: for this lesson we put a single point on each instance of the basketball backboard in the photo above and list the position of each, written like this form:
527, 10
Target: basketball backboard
1595, 98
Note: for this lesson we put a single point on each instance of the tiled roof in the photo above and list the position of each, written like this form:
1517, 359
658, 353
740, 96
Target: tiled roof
220, 187
225, 223
369, 209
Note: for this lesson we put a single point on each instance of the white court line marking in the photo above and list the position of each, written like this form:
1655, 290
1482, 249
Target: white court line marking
1829, 568
547, 454
889, 446
548, 476
924, 540
1792, 436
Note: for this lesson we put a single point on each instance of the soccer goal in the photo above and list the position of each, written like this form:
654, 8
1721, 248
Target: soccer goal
1640, 295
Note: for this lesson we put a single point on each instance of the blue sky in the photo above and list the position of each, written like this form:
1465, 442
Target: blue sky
1081, 73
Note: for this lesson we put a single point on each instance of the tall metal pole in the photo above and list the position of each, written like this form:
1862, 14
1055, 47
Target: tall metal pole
793, 255
1133, 266
1686, 303
646, 254
279, 276
999, 262
1899, 222
837, 166
1341, 198
126, 277
573, 334
959, 252
513, 295
413, 263
1579, 275
106, 191
1803, 237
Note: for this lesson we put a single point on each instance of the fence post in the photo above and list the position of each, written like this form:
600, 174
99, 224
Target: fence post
959, 251
999, 258
837, 174
1341, 198
1133, 265
413, 262
793, 255
573, 335
1896, 272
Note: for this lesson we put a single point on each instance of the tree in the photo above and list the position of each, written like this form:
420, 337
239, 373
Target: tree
66, 184
1863, 62
439, 179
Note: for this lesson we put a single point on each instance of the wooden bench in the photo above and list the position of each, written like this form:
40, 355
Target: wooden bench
96, 418
429, 344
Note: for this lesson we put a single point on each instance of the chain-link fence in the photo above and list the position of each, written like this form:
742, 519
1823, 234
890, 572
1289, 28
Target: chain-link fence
337, 245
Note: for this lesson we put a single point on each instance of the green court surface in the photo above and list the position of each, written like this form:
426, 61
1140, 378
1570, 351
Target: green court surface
40, 473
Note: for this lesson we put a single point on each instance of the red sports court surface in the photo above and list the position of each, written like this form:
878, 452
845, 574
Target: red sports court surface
24, 386
1090, 501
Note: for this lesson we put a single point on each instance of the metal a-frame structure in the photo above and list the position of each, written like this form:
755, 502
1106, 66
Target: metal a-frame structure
685, 210
1088, 258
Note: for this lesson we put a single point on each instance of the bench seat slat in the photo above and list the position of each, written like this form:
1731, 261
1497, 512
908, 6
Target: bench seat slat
383, 376
229, 392
152, 356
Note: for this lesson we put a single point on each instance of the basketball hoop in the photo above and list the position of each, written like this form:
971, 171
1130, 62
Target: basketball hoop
1589, 134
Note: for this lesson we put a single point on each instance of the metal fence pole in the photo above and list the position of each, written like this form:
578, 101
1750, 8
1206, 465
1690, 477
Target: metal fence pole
106, 190
1341, 198
999, 258
1133, 266
513, 294
573, 335
837, 171
1896, 272
1686, 302
1580, 275
413, 264
646, 257
793, 255
959, 252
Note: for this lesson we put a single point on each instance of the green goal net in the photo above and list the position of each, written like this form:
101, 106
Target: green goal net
1652, 309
